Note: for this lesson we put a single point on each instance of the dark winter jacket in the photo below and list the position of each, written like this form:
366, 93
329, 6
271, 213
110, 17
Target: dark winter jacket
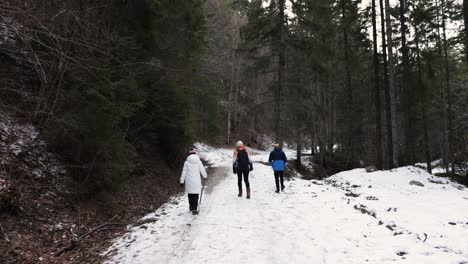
277, 159
241, 160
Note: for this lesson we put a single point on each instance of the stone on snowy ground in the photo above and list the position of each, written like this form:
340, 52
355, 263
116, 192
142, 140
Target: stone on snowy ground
417, 183
437, 182
371, 168
351, 194
363, 209
146, 221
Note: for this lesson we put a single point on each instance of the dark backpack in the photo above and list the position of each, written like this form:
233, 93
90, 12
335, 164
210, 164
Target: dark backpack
242, 160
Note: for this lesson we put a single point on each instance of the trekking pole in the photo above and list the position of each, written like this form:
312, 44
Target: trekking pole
201, 194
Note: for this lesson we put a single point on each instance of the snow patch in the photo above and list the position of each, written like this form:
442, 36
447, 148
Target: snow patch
352, 217
22, 149
214, 156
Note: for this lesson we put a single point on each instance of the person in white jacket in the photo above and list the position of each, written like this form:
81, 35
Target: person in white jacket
191, 172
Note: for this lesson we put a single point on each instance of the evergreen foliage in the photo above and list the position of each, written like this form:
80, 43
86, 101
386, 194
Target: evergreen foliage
117, 74
103, 79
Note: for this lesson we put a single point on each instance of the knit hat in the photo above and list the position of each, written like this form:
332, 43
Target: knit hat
239, 143
191, 150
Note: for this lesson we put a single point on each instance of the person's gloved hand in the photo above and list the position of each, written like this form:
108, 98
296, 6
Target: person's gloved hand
234, 170
181, 185
250, 167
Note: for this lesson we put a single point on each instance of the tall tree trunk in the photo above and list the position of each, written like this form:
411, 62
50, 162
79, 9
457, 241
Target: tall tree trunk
299, 149
253, 96
332, 114
442, 92
427, 149
378, 121
236, 98
281, 64
391, 75
465, 18
298, 120
313, 136
424, 100
387, 92
234, 39
329, 113
449, 97
349, 90
409, 141
231, 88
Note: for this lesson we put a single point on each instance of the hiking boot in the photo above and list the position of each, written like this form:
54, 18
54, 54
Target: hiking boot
277, 191
194, 212
248, 193
282, 188
240, 193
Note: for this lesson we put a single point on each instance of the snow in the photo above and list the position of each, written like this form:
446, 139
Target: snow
437, 167
3, 185
351, 217
8, 27
22, 135
214, 156
19, 141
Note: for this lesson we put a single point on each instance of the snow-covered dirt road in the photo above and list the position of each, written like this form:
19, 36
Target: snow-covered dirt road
352, 217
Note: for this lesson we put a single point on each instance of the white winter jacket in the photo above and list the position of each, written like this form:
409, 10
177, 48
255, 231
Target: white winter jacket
193, 167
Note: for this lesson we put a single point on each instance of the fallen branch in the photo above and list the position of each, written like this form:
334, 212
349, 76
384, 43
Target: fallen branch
4, 234
75, 242
425, 237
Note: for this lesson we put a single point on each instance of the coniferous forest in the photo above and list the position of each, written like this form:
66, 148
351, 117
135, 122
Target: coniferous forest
385, 83
119, 89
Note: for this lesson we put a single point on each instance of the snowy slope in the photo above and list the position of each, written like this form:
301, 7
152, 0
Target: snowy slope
352, 217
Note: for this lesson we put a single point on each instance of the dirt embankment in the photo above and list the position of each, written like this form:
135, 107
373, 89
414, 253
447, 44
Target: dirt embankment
42, 211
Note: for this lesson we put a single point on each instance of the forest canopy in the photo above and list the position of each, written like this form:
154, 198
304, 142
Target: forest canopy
367, 82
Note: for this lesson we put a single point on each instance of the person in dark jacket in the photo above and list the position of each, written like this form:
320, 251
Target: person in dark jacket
242, 165
278, 162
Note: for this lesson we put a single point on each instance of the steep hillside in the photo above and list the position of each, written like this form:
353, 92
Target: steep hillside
42, 209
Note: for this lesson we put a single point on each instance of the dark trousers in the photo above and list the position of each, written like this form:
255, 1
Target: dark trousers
279, 176
246, 178
193, 201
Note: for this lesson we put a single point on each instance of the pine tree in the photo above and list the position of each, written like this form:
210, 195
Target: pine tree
450, 131
392, 82
350, 119
388, 102
408, 94
378, 120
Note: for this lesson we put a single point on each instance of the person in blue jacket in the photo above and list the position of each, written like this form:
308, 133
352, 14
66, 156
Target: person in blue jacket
278, 162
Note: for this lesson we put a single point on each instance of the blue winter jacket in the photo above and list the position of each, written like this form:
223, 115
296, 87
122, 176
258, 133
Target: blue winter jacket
277, 159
